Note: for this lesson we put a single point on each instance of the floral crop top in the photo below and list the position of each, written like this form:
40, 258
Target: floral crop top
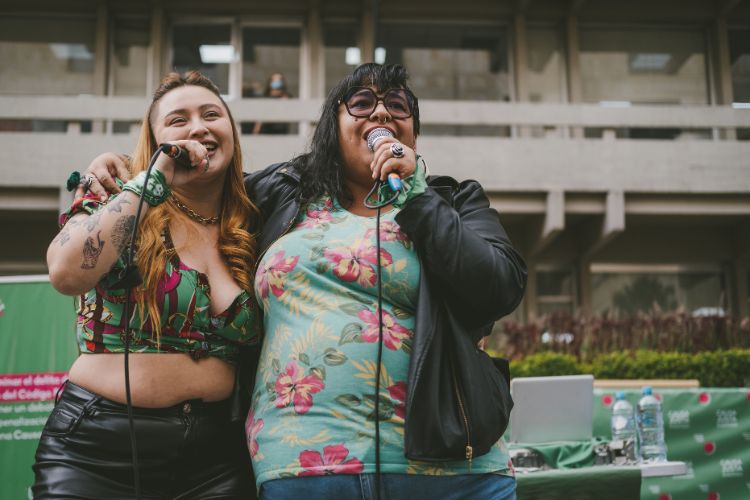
187, 325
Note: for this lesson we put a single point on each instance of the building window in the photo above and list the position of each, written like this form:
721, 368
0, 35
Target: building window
626, 67
739, 57
342, 54
545, 65
555, 291
130, 56
643, 66
545, 71
270, 68
46, 56
266, 51
450, 61
206, 48
667, 288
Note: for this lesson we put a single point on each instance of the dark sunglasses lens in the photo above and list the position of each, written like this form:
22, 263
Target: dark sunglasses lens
398, 103
361, 103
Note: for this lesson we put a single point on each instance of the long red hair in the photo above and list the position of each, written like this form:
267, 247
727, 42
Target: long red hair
236, 243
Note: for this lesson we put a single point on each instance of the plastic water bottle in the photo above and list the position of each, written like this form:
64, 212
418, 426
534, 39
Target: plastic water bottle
651, 428
623, 425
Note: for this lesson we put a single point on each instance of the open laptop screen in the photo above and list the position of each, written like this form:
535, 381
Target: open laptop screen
552, 408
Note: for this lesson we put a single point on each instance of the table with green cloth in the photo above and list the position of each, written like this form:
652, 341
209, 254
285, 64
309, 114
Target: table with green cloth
707, 428
587, 483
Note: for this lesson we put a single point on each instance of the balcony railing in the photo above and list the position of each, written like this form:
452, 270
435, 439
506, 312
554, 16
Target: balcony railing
562, 160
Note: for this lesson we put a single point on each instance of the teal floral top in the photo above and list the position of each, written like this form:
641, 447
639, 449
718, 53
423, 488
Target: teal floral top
313, 401
187, 325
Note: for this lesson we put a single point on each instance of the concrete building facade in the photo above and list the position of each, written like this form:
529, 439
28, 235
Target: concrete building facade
612, 137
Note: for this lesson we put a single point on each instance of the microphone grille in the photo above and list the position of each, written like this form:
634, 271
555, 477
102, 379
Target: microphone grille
375, 134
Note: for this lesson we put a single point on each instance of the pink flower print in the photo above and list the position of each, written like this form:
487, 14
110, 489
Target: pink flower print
333, 461
393, 333
398, 395
252, 428
293, 386
273, 274
356, 263
316, 215
389, 231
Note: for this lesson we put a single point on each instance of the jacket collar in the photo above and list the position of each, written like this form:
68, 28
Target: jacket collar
289, 170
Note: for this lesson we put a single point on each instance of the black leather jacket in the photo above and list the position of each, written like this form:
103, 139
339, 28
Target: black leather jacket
467, 259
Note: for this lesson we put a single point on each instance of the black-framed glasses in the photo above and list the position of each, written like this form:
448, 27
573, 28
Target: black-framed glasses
362, 101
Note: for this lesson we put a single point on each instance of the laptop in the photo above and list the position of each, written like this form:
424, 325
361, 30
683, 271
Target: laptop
552, 409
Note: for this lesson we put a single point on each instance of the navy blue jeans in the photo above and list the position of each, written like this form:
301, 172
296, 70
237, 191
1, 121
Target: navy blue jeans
394, 487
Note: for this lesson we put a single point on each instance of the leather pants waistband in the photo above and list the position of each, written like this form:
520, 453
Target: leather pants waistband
77, 395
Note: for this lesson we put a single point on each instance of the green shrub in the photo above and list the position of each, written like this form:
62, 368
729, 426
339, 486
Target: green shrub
546, 364
730, 368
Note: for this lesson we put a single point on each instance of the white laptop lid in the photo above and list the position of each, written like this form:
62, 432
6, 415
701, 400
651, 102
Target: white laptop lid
552, 408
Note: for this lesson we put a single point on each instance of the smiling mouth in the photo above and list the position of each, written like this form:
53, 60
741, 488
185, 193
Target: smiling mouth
211, 147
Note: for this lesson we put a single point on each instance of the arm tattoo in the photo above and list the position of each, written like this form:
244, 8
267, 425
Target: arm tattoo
122, 231
117, 203
91, 251
93, 221
63, 236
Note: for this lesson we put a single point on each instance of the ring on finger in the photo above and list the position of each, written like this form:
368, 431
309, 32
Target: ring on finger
205, 169
397, 150
86, 181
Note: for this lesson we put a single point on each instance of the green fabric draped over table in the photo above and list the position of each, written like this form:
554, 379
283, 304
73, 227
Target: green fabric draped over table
587, 483
565, 454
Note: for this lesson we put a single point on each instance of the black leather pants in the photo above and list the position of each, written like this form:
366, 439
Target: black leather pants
188, 451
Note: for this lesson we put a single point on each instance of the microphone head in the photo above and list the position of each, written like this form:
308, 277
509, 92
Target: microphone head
375, 135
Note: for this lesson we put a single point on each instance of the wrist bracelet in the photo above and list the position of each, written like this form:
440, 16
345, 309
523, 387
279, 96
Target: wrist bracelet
156, 192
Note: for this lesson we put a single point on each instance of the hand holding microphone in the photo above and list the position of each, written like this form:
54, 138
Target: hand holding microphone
181, 155
182, 161
390, 156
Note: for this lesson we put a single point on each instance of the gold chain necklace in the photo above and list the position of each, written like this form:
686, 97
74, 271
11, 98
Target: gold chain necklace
193, 214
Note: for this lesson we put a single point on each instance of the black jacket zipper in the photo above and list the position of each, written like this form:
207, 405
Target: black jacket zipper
464, 418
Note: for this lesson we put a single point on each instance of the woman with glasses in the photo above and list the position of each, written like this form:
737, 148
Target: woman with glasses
312, 426
346, 295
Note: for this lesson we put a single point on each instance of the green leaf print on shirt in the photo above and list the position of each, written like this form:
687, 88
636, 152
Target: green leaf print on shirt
351, 333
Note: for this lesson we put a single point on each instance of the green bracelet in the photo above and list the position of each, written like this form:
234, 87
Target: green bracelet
157, 191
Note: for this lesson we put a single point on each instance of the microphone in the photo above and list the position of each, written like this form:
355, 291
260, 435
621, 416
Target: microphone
178, 154
376, 134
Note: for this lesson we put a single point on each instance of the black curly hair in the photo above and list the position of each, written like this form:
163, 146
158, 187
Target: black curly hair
321, 168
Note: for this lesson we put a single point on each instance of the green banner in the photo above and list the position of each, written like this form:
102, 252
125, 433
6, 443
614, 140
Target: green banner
37, 346
709, 429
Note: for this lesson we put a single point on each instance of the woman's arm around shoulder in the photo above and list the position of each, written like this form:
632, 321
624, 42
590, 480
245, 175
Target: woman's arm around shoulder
466, 252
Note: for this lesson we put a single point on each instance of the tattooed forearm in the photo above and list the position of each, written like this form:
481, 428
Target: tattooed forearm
91, 251
63, 236
93, 221
116, 204
122, 231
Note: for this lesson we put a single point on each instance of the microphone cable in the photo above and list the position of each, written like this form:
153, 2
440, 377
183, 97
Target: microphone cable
130, 277
378, 367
